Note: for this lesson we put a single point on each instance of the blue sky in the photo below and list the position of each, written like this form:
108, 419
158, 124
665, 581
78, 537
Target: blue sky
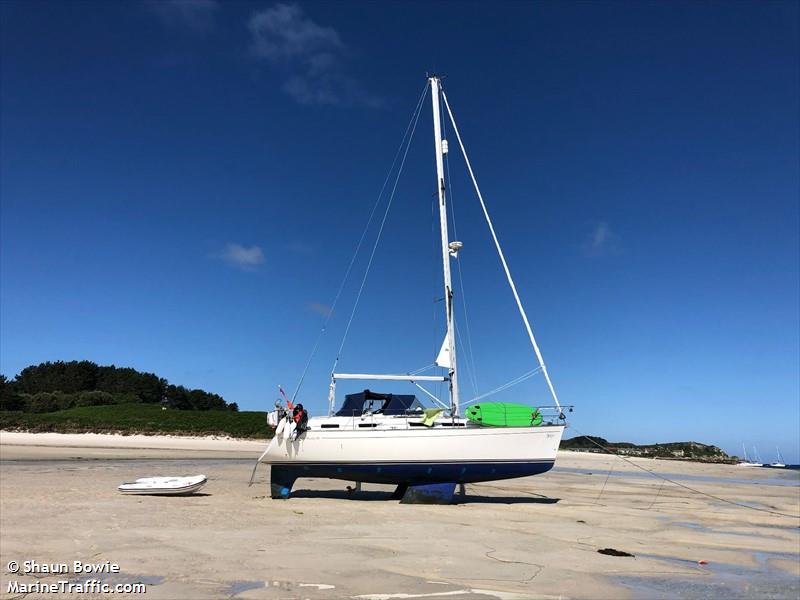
183, 185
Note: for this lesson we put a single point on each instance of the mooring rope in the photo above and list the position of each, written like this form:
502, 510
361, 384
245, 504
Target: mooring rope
687, 487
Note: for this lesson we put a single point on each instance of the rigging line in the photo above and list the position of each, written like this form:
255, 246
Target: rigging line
435, 278
515, 381
520, 379
358, 247
505, 386
380, 231
463, 349
502, 256
691, 489
436, 246
470, 355
431, 396
435, 241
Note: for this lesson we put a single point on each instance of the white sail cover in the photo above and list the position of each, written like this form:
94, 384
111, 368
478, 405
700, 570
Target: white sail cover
443, 360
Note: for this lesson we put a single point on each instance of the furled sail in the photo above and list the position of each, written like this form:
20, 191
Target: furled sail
443, 360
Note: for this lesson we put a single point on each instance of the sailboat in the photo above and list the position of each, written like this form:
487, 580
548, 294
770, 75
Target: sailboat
393, 438
757, 457
747, 462
778, 464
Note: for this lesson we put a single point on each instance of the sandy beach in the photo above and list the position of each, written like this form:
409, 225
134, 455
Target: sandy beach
17, 445
529, 538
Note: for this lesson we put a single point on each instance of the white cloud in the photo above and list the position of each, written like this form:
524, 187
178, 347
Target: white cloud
600, 236
319, 308
242, 257
283, 32
196, 15
601, 240
311, 90
312, 57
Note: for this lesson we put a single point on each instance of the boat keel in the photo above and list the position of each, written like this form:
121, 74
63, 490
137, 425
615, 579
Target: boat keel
400, 491
281, 480
431, 493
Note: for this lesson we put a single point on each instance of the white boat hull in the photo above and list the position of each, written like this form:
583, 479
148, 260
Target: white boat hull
164, 486
412, 456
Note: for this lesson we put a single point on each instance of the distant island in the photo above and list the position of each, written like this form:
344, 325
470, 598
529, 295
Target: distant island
59, 385
693, 451
84, 397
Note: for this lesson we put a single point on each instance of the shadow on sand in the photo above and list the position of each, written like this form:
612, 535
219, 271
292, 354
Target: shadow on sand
374, 496
184, 496
471, 499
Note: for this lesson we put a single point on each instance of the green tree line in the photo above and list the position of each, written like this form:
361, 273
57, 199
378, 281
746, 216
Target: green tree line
53, 386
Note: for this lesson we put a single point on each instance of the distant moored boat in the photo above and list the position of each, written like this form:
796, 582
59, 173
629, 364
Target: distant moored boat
747, 462
779, 464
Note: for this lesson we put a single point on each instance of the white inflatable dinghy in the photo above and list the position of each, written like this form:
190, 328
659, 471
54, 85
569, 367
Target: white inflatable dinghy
164, 485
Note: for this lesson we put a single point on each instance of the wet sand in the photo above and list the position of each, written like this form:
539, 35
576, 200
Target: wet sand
528, 538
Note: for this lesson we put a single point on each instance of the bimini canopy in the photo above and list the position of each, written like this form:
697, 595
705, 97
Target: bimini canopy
384, 404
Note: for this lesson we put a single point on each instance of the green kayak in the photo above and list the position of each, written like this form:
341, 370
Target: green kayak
504, 414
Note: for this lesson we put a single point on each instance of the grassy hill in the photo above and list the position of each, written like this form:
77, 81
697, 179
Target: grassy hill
139, 418
674, 450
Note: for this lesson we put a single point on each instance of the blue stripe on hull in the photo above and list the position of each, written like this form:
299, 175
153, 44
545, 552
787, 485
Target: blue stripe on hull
414, 473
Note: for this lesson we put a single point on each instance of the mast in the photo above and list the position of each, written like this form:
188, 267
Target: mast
448, 287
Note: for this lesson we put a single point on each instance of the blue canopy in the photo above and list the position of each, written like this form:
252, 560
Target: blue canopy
384, 404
